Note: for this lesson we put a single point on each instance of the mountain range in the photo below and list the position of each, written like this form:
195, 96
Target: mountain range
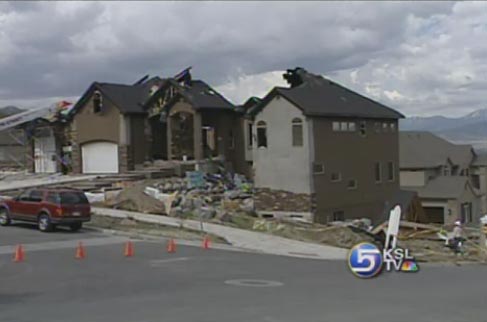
468, 129
9, 110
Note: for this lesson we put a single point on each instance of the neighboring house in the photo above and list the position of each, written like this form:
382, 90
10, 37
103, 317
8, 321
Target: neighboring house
106, 129
12, 149
441, 173
323, 152
189, 120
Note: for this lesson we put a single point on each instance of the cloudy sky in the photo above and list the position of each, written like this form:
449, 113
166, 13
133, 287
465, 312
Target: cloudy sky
420, 58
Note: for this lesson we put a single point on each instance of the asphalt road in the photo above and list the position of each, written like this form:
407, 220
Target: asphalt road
206, 285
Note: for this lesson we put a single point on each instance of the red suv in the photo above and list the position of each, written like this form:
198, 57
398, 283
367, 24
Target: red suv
48, 208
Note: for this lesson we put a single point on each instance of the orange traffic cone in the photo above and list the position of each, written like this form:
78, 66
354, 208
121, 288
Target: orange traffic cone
171, 246
129, 249
19, 254
206, 242
80, 251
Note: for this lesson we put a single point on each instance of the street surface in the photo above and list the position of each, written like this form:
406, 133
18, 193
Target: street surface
215, 285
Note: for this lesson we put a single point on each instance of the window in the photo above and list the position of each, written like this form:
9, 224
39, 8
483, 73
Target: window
351, 126
363, 128
336, 177
24, 196
446, 171
318, 168
377, 127
297, 130
338, 216
261, 134
352, 184
250, 136
36, 196
54, 198
378, 172
385, 126
343, 126
71, 198
392, 126
336, 126
390, 171
97, 102
466, 212
231, 139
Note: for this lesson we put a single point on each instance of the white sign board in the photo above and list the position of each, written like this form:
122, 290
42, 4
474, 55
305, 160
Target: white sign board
393, 226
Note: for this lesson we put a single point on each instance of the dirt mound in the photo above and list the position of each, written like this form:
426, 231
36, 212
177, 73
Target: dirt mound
134, 199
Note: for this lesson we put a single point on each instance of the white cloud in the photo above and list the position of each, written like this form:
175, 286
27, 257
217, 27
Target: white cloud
421, 58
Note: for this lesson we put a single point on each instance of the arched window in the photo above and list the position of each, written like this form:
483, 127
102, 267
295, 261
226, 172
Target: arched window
261, 134
297, 129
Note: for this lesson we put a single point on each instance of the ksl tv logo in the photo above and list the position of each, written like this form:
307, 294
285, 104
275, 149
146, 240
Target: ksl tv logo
366, 260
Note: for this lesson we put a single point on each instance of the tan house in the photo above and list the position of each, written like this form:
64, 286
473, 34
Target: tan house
106, 127
323, 152
441, 173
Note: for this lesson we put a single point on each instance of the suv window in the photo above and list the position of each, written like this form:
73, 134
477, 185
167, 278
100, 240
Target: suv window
71, 198
53, 197
24, 196
36, 196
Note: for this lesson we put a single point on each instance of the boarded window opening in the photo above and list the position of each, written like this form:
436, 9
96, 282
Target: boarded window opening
297, 129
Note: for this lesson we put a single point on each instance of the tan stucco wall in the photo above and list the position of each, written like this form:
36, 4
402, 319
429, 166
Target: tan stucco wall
104, 126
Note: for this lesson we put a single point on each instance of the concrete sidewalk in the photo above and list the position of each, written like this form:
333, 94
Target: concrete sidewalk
250, 240
42, 181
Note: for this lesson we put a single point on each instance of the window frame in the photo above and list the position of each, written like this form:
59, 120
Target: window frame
322, 165
352, 187
339, 178
262, 126
97, 107
391, 165
297, 123
378, 166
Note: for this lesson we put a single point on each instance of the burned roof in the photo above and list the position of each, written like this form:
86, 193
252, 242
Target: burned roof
423, 150
202, 95
318, 96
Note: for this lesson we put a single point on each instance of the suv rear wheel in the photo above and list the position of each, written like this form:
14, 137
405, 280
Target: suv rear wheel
4, 217
44, 223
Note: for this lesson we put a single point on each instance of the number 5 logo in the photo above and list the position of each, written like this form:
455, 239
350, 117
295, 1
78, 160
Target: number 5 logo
365, 260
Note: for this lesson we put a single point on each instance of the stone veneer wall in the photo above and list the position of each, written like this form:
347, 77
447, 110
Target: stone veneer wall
125, 160
279, 200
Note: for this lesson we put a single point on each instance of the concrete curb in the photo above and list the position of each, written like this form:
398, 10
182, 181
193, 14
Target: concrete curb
240, 238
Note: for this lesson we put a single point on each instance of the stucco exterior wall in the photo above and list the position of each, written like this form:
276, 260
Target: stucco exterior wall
282, 166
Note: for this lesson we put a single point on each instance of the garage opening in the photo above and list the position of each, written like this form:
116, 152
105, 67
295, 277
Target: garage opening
99, 157
435, 214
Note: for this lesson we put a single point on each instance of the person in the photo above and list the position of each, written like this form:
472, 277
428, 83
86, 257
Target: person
457, 235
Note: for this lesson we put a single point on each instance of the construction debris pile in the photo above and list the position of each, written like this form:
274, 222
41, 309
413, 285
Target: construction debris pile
228, 199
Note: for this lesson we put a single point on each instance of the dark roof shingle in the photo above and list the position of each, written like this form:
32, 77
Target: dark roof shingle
318, 96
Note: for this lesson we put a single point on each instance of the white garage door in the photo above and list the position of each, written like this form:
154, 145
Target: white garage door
100, 157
